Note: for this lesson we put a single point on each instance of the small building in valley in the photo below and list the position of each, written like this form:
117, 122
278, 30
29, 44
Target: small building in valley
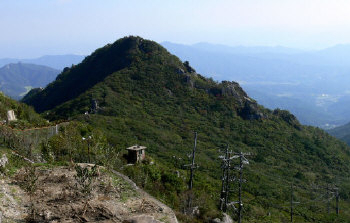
136, 153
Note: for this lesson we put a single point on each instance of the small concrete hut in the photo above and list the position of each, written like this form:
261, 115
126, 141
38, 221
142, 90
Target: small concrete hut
136, 153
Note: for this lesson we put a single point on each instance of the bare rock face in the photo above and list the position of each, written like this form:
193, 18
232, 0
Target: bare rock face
287, 117
141, 219
189, 81
11, 116
3, 161
180, 71
188, 67
234, 90
250, 109
226, 219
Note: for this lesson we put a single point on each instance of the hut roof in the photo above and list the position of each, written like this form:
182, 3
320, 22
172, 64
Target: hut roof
136, 148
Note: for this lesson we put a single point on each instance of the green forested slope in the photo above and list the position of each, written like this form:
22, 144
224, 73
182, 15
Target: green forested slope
149, 97
17, 79
26, 116
341, 132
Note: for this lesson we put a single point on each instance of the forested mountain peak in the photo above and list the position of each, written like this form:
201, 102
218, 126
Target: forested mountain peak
135, 56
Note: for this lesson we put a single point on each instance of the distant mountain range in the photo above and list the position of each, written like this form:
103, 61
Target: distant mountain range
55, 61
311, 84
17, 79
242, 49
333, 56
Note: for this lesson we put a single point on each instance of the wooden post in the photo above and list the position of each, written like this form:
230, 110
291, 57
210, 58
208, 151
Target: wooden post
291, 202
337, 201
190, 186
240, 187
192, 167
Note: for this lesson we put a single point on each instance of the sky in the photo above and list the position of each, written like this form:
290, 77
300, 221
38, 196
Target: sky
32, 28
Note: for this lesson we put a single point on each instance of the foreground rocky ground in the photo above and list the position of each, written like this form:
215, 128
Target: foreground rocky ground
54, 194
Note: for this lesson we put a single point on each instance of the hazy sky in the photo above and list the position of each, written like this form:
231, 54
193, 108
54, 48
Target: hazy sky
31, 28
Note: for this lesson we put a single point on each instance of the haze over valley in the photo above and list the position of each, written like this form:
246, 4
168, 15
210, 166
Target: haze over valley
313, 85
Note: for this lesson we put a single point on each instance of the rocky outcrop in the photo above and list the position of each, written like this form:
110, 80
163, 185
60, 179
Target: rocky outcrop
141, 219
189, 81
249, 108
287, 117
180, 71
251, 111
3, 161
188, 67
232, 89
225, 219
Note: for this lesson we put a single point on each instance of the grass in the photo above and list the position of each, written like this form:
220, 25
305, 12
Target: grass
164, 219
126, 190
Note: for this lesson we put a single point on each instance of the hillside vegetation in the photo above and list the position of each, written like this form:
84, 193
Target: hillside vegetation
341, 132
26, 116
135, 92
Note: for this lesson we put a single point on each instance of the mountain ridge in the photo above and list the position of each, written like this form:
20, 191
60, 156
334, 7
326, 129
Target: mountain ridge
16, 79
55, 61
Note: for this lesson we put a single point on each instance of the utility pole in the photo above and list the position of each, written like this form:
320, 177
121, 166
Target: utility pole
334, 191
291, 202
328, 199
227, 185
242, 160
227, 178
337, 201
223, 197
192, 167
190, 186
